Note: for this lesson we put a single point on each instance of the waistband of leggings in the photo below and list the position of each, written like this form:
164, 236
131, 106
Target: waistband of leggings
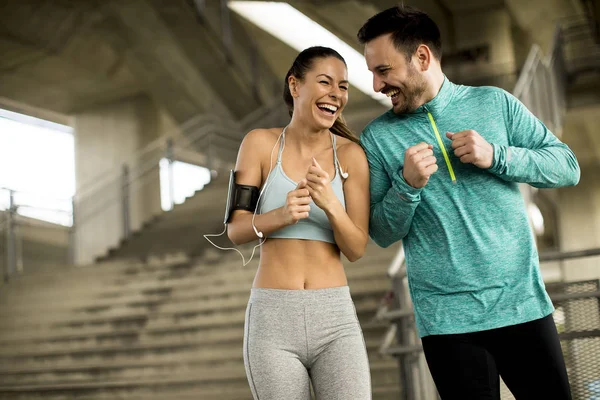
327, 295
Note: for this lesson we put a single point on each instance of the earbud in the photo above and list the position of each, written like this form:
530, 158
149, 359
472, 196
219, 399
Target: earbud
342, 173
258, 233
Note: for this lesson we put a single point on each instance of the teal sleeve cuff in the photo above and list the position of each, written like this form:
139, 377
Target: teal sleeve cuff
406, 192
500, 162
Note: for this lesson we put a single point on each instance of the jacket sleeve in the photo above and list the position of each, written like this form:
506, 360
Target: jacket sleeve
534, 155
393, 201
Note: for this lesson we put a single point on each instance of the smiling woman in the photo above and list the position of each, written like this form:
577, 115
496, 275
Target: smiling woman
325, 75
313, 206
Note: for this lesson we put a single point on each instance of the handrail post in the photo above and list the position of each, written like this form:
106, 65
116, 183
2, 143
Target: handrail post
18, 240
10, 237
125, 201
209, 155
255, 68
170, 158
200, 8
72, 232
226, 31
407, 386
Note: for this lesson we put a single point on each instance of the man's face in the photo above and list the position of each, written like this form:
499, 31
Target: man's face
394, 75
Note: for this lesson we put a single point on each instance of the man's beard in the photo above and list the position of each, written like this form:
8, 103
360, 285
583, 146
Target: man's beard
412, 93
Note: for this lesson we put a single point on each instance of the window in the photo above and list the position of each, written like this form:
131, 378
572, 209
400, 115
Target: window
187, 179
37, 163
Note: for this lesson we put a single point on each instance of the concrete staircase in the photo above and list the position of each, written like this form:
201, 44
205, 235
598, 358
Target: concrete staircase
155, 330
179, 230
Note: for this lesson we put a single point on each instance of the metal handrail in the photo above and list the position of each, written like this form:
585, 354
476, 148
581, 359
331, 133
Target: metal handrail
200, 137
205, 121
135, 174
14, 206
112, 188
35, 194
157, 145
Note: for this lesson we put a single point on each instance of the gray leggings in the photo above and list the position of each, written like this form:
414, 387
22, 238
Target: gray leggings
294, 337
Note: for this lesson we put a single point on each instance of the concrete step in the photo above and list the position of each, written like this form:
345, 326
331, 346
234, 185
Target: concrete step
197, 277
143, 306
209, 353
373, 265
142, 319
215, 387
233, 374
187, 239
141, 326
158, 330
126, 338
222, 259
195, 281
383, 372
160, 388
110, 296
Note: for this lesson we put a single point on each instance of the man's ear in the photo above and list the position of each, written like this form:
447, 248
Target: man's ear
423, 56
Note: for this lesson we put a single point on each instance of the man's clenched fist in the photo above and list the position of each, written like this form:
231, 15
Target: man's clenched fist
471, 148
419, 165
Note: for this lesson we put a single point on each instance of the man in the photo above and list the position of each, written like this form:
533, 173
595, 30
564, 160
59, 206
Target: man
445, 166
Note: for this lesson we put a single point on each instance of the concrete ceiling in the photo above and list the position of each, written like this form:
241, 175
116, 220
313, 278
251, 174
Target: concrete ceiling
67, 56
54, 56
470, 6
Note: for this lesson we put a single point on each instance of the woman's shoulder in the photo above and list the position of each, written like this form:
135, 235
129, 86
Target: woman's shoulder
260, 134
260, 138
348, 148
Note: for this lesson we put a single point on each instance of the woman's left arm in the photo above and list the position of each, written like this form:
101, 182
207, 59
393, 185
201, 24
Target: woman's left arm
350, 225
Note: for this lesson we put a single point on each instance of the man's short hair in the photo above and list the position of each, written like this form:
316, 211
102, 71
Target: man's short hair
409, 27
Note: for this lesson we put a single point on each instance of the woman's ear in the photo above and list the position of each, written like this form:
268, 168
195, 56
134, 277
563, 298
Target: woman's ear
293, 84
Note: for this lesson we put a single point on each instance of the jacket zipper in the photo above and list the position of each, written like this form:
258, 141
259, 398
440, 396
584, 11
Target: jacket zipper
442, 147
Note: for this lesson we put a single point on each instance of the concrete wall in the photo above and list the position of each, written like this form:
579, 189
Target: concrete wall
494, 29
580, 222
105, 138
40, 245
579, 206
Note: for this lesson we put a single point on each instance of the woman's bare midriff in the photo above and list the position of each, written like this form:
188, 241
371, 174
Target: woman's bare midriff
299, 264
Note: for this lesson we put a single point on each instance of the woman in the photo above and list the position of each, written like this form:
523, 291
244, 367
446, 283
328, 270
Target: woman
301, 325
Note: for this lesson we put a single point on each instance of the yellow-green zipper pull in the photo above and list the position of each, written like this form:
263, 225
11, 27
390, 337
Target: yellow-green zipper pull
442, 147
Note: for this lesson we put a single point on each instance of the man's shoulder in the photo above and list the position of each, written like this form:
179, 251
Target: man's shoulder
381, 122
480, 92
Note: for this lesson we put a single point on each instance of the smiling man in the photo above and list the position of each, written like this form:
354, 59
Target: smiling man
445, 163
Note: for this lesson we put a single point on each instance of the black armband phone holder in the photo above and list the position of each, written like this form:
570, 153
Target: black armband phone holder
240, 197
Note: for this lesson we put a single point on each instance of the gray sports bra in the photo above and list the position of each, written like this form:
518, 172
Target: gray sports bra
316, 226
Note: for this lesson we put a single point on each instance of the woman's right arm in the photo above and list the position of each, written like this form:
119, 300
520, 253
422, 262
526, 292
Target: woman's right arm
253, 154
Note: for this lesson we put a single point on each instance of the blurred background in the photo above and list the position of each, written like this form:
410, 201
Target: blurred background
119, 120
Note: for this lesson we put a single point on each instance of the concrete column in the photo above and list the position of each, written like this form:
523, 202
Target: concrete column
494, 29
106, 137
579, 209
579, 206
580, 223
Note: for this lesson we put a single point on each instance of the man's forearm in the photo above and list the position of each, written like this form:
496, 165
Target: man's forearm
547, 167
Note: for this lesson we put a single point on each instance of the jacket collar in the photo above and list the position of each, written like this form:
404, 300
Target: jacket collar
440, 101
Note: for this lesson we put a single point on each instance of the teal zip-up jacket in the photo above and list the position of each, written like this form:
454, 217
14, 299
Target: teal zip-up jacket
471, 259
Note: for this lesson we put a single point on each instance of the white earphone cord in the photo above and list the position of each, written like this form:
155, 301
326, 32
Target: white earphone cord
261, 238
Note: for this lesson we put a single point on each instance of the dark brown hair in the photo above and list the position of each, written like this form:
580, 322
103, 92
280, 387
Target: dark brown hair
302, 64
409, 28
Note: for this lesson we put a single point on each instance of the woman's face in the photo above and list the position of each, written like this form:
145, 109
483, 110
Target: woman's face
323, 94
